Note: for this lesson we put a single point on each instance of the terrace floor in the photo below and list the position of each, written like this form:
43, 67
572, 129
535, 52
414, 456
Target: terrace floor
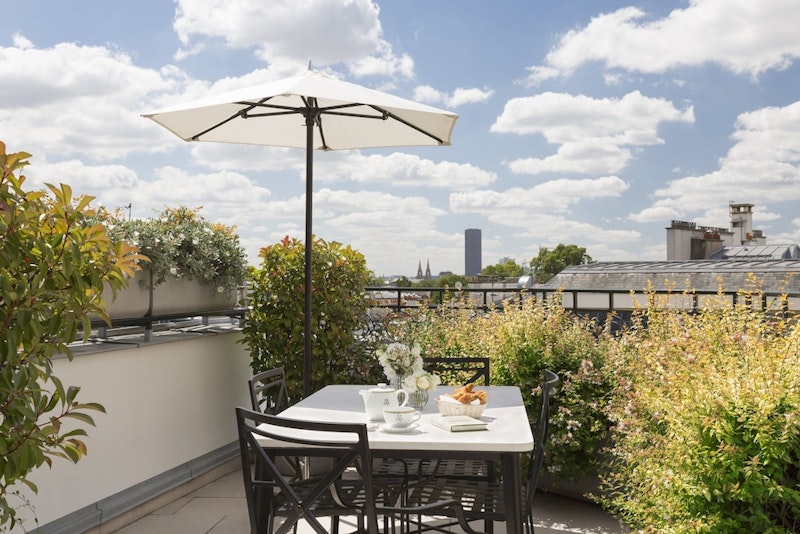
219, 507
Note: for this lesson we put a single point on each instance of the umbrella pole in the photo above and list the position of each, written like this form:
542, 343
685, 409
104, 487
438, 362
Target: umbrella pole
310, 119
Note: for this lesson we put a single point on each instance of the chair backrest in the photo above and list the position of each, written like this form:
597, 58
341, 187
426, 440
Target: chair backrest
548, 389
458, 371
268, 391
346, 443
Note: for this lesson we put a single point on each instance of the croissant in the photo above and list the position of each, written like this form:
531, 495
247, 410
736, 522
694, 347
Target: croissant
467, 394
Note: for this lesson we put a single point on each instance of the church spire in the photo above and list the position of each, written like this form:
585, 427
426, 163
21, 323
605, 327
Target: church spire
419, 270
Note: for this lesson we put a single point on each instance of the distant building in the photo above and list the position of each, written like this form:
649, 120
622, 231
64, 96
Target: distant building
688, 241
701, 259
427, 275
472, 252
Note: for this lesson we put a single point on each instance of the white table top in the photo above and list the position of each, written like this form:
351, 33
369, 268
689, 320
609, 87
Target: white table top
508, 426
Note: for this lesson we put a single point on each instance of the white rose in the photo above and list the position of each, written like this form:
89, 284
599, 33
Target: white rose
424, 382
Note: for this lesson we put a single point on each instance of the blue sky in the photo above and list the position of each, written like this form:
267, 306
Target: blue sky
588, 122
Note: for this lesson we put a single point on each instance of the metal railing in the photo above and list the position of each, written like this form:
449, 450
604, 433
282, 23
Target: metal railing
595, 302
399, 299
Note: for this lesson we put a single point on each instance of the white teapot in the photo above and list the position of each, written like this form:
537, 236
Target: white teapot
376, 399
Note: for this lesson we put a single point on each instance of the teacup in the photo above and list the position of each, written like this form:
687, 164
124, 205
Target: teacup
401, 416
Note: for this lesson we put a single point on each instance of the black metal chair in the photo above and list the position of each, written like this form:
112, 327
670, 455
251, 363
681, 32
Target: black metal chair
268, 393
483, 498
276, 503
458, 371
454, 371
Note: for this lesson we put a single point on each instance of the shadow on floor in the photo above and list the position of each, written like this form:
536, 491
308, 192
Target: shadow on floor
220, 508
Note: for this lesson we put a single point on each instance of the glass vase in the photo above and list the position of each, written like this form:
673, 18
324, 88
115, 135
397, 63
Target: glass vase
396, 382
418, 399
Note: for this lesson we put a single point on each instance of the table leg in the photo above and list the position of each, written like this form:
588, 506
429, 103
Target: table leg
512, 484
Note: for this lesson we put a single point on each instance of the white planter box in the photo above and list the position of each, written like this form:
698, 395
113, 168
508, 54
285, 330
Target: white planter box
175, 295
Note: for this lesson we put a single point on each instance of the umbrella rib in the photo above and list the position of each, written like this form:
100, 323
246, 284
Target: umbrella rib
241, 113
410, 125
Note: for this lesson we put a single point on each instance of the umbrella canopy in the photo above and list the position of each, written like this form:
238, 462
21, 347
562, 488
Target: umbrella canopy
348, 116
336, 115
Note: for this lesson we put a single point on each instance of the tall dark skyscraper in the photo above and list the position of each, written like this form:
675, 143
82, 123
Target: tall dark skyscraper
472, 252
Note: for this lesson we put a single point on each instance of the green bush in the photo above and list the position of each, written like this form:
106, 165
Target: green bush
521, 341
274, 328
706, 422
53, 263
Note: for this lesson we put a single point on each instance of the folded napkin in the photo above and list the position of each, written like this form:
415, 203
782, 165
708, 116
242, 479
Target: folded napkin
445, 398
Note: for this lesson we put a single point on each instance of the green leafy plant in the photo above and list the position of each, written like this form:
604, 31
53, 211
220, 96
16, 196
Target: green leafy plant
274, 328
706, 434
54, 261
549, 263
179, 242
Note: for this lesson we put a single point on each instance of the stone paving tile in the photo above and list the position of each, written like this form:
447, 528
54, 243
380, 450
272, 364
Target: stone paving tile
220, 508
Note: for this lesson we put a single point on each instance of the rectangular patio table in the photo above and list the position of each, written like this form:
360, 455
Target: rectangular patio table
508, 435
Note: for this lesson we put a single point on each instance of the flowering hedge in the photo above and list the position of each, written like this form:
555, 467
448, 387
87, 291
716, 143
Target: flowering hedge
700, 411
707, 422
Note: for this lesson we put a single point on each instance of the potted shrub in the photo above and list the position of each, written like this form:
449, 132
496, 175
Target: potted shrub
191, 264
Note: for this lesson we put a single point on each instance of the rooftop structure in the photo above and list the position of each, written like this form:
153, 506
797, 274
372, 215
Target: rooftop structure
707, 276
688, 241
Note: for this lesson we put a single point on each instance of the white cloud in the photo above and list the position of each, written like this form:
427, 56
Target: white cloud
743, 36
72, 99
81, 177
323, 31
407, 170
592, 132
551, 196
397, 169
591, 156
655, 214
549, 230
762, 166
461, 96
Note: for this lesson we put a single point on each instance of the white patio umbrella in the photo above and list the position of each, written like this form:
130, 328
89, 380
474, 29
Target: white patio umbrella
313, 111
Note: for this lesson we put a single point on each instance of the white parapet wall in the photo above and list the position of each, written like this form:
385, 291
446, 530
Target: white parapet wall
169, 402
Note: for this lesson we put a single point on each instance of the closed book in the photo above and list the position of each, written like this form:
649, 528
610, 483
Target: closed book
458, 423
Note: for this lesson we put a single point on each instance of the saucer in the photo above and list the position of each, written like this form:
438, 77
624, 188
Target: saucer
398, 430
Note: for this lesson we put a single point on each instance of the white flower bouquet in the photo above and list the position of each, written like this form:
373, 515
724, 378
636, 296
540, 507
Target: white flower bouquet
398, 359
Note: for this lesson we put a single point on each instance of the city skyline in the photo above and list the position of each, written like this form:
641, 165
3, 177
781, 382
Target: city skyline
594, 124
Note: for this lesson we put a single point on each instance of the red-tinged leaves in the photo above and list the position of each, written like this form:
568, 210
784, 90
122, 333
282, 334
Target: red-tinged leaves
54, 261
